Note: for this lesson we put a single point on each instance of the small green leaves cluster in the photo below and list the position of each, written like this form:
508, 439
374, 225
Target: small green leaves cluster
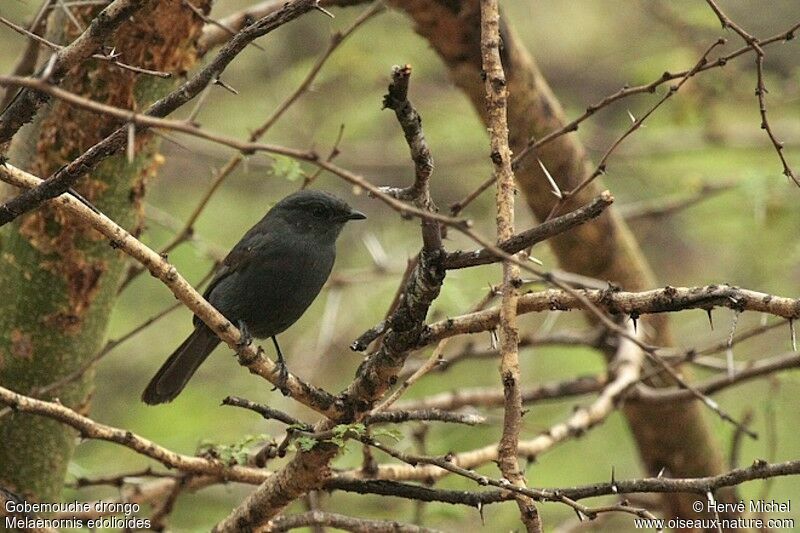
232, 454
341, 433
286, 167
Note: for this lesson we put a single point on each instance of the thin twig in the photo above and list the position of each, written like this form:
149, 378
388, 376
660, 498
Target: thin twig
761, 89
248, 356
67, 176
24, 106
572, 126
601, 166
497, 122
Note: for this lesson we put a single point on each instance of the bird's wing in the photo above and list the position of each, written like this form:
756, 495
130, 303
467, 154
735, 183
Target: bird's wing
237, 259
240, 256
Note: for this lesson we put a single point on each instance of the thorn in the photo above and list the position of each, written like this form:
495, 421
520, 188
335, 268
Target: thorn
710, 319
480, 512
493, 290
555, 190
633, 119
793, 333
320, 8
225, 86
730, 362
714, 406
493, 339
48, 70
131, 150
614, 488
535, 260
729, 351
635, 320
661, 472
376, 250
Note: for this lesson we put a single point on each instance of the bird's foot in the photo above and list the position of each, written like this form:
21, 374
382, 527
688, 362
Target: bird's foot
283, 372
283, 378
246, 339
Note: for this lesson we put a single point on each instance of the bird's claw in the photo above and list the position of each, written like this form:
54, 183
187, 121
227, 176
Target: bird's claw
245, 339
283, 378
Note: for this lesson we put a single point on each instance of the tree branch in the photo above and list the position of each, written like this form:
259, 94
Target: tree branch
88, 428
23, 108
248, 356
146, 121
528, 238
67, 176
493, 397
347, 523
666, 300
626, 368
497, 123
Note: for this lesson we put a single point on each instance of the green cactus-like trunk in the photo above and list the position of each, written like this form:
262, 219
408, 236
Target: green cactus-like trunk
58, 278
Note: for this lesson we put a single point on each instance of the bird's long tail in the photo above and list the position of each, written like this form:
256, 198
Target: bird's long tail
175, 373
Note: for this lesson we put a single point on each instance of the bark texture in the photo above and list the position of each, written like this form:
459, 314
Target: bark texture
59, 278
673, 437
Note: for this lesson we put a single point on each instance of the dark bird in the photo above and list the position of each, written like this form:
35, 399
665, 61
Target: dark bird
265, 283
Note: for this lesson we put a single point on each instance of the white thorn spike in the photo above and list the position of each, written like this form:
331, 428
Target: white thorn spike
556, 191
131, 149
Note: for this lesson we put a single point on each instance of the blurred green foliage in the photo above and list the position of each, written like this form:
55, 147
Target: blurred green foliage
708, 133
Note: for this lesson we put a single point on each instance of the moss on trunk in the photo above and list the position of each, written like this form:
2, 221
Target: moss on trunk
58, 278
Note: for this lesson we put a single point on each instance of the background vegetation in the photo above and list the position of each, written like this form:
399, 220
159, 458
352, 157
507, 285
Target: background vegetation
708, 134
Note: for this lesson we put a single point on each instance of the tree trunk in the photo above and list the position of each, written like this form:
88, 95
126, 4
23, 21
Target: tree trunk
672, 437
59, 279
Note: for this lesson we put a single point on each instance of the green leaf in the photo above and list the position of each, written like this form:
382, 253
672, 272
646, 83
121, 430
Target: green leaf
286, 167
305, 444
232, 454
393, 434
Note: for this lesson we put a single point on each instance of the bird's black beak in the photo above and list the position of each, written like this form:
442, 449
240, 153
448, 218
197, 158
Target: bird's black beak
356, 215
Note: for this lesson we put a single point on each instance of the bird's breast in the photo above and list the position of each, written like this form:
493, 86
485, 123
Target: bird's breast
274, 291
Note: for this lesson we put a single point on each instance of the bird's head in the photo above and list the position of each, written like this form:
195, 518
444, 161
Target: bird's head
317, 212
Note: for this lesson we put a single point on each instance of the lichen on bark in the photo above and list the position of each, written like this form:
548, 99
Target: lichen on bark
59, 278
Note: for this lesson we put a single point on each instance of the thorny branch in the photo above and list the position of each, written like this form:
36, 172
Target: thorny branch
637, 123
626, 91
214, 471
497, 120
530, 237
493, 397
616, 302
761, 88
147, 121
419, 192
233, 163
626, 367
88, 428
380, 369
102, 57
22, 109
248, 356
67, 176
376, 374
26, 63
347, 523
